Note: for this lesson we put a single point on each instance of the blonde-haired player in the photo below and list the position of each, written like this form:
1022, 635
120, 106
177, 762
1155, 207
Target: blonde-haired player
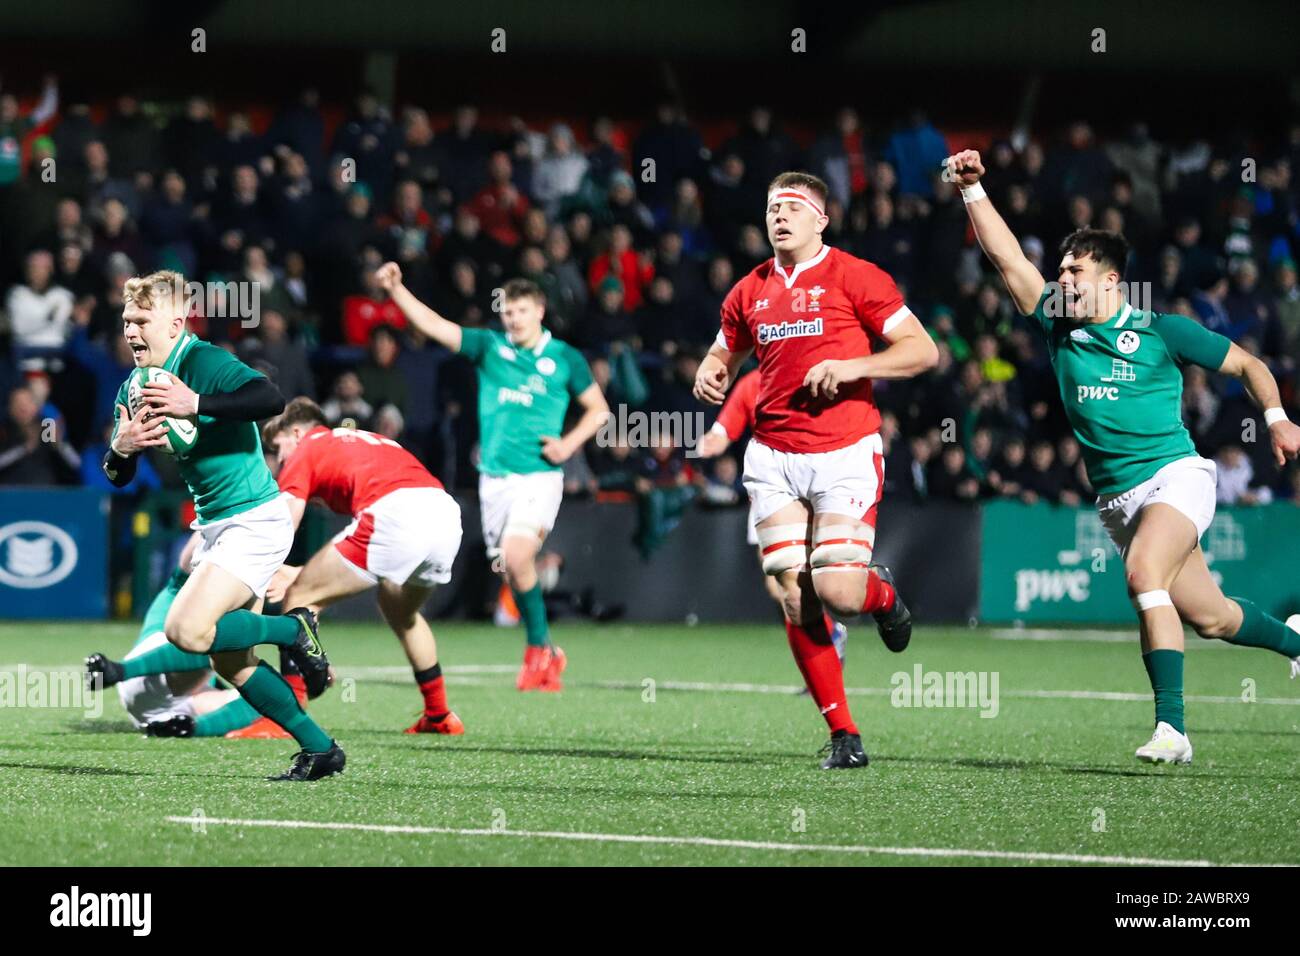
245, 527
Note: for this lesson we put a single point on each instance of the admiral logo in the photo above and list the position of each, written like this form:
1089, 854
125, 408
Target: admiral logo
789, 330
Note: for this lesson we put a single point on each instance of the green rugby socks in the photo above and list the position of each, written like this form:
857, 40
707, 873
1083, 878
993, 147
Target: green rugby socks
232, 716
1165, 669
532, 608
238, 630
1263, 630
164, 659
272, 697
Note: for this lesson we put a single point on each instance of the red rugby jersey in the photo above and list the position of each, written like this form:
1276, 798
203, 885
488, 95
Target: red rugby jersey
824, 308
350, 470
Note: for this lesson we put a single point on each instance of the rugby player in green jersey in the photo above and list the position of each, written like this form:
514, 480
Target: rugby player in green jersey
526, 379
1119, 371
244, 525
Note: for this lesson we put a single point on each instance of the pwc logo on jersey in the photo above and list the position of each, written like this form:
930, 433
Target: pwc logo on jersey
514, 396
767, 333
1120, 371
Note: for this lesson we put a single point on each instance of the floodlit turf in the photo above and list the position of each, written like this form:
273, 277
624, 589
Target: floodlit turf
729, 757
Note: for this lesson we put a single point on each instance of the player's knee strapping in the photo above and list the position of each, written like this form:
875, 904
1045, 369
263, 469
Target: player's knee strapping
1149, 599
842, 547
784, 547
521, 528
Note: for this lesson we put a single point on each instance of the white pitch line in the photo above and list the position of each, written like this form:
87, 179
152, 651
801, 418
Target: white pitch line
1043, 634
405, 671
749, 688
887, 691
948, 853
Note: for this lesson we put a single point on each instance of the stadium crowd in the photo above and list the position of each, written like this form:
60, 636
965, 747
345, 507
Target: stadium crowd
635, 259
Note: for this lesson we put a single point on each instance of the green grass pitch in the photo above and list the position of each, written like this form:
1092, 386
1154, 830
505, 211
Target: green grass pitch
719, 768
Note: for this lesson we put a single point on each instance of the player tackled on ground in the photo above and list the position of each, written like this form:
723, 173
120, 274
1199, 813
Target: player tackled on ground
1120, 375
168, 692
245, 526
814, 468
403, 538
525, 381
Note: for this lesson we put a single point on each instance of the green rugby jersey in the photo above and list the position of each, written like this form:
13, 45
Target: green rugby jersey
523, 394
1122, 384
225, 470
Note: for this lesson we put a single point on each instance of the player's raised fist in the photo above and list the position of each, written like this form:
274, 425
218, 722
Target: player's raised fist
964, 168
388, 276
1286, 441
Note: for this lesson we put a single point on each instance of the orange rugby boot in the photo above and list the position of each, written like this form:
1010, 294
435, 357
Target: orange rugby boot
536, 668
448, 724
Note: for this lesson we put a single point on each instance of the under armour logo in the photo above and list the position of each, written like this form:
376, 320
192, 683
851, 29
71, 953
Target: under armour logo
760, 304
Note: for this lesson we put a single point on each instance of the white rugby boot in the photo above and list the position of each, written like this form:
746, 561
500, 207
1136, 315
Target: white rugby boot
1166, 746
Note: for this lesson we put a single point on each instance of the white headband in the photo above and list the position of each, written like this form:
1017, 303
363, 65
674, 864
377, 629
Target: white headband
789, 194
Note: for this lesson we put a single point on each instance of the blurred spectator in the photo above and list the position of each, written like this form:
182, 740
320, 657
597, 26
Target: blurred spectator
950, 478
1045, 480
675, 149
32, 449
40, 312
362, 313
346, 407
723, 488
1236, 479
14, 127
381, 379
560, 172
285, 358
915, 152
367, 136
191, 140
499, 206
131, 139
622, 262
1009, 473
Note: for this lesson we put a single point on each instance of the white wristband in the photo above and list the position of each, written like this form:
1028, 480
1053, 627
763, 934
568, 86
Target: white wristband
970, 194
197, 396
1274, 415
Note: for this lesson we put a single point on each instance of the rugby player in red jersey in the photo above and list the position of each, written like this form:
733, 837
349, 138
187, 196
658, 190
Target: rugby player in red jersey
815, 466
403, 538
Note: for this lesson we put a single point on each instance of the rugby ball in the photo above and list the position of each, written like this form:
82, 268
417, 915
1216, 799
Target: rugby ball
182, 434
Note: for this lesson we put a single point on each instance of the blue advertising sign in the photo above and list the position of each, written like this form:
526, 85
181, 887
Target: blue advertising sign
53, 553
